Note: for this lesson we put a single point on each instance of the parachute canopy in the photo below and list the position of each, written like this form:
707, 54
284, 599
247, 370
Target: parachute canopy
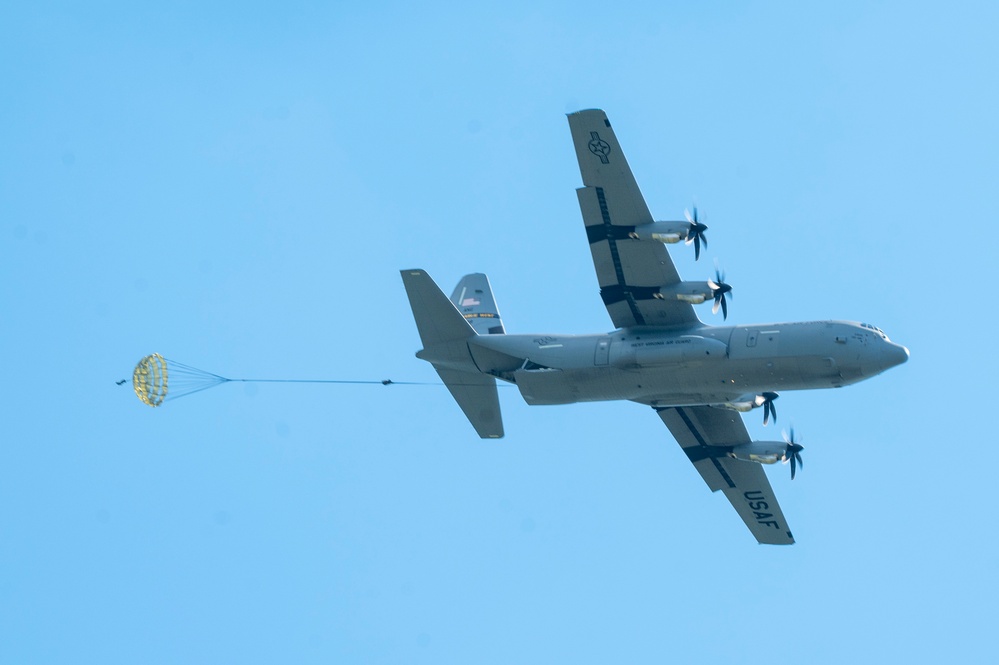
157, 380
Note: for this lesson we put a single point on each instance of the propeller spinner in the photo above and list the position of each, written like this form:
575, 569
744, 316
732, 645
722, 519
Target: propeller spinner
696, 232
792, 453
719, 291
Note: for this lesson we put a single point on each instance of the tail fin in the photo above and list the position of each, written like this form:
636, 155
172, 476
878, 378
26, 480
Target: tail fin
474, 299
444, 332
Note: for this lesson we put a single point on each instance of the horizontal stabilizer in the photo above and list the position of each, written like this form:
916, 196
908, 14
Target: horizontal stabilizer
477, 396
437, 319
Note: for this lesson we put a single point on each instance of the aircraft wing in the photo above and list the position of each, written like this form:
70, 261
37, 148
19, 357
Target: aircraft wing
629, 271
703, 432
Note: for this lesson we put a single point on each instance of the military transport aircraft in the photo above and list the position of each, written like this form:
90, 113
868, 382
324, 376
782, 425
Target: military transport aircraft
698, 378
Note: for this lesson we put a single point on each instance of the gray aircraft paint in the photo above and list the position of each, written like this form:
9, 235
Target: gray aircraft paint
694, 375
705, 365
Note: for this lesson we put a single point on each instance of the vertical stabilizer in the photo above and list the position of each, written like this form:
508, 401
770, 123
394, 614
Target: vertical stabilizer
474, 299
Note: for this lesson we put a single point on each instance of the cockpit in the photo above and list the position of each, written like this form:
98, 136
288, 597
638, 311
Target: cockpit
875, 329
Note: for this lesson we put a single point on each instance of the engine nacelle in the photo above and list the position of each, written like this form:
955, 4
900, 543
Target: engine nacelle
692, 292
762, 452
743, 404
665, 232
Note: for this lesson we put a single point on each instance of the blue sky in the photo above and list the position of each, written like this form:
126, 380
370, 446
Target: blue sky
237, 186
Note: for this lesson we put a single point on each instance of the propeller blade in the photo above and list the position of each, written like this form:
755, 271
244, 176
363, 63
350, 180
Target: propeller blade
769, 408
793, 452
719, 291
695, 234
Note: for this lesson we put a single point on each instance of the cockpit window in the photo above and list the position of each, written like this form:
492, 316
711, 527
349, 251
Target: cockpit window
875, 329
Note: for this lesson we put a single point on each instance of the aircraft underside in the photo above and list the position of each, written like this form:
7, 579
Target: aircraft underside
697, 367
682, 384
698, 378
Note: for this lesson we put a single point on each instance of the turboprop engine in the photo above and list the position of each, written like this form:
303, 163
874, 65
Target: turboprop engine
665, 232
698, 292
771, 452
692, 231
750, 401
692, 292
762, 452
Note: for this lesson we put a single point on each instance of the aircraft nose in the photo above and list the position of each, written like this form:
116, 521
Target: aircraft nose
895, 354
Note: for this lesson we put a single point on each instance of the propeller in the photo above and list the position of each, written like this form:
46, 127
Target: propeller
792, 453
768, 406
719, 290
696, 232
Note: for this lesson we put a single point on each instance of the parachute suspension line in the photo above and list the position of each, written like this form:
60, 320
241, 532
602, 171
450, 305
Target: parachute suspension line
157, 380
383, 382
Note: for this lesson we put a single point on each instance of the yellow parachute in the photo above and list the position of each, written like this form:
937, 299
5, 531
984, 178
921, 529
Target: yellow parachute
157, 380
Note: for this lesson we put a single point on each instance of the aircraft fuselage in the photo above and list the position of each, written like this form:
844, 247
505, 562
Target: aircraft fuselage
698, 365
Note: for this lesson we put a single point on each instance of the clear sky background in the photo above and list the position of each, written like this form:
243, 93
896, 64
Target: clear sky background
237, 186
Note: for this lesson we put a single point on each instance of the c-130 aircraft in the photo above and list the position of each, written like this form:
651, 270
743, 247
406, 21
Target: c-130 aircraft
698, 378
